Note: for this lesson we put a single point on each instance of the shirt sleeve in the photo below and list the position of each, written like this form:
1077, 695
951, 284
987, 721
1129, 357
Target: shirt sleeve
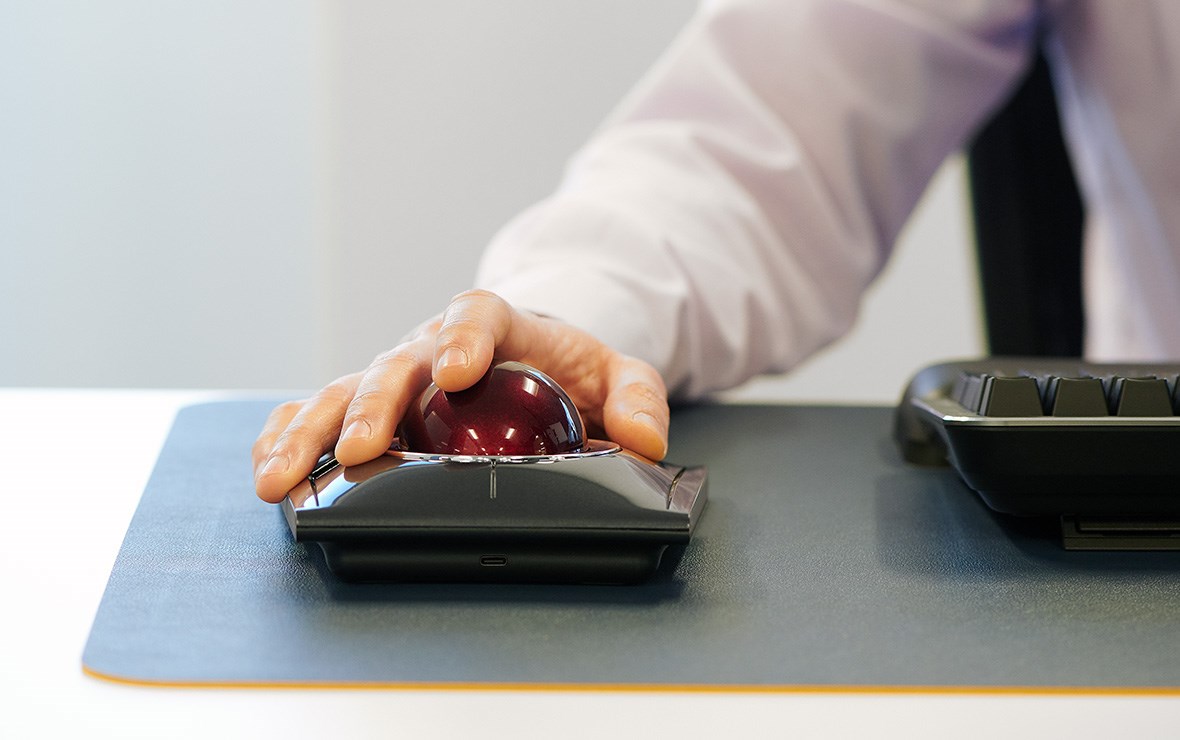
726, 219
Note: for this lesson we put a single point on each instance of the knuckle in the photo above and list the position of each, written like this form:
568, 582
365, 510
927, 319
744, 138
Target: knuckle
460, 324
473, 307
280, 419
476, 294
364, 401
400, 359
287, 409
425, 330
649, 396
337, 393
290, 441
376, 405
261, 449
302, 440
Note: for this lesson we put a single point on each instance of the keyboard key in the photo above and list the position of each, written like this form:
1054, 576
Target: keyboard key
1010, 396
966, 391
1174, 393
1139, 397
1074, 397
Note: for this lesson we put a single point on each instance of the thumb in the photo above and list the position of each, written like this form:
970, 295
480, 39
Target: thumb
635, 413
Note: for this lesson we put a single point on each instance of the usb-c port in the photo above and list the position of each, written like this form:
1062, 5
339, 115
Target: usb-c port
493, 560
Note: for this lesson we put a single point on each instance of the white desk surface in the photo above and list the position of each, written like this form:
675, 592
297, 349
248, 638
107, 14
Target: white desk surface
76, 463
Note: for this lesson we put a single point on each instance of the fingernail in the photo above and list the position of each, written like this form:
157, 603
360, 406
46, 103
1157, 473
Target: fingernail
650, 422
276, 464
359, 429
646, 419
452, 357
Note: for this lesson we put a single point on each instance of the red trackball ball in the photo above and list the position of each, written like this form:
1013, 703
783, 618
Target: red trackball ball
513, 410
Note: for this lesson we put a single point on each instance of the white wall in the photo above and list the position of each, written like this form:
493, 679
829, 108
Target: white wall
266, 193
157, 178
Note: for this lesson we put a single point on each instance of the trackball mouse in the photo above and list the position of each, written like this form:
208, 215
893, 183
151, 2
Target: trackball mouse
497, 483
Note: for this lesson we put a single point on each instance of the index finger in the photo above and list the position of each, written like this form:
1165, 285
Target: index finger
476, 327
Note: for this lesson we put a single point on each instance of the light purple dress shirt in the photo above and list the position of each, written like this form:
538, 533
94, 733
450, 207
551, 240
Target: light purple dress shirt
726, 219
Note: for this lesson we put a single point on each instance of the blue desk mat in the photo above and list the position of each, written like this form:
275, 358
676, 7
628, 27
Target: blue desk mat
822, 561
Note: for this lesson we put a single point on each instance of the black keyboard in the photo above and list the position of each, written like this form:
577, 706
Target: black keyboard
1096, 444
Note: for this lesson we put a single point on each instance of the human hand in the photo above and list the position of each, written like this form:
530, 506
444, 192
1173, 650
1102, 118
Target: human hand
618, 396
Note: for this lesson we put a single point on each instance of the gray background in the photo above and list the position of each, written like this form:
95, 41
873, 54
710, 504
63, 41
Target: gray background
265, 194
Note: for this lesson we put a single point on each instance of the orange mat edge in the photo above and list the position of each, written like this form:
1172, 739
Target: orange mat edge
1144, 691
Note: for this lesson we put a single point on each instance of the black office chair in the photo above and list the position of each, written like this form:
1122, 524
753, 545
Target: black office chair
1028, 226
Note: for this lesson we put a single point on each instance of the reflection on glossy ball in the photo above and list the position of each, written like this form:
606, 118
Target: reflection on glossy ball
513, 410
